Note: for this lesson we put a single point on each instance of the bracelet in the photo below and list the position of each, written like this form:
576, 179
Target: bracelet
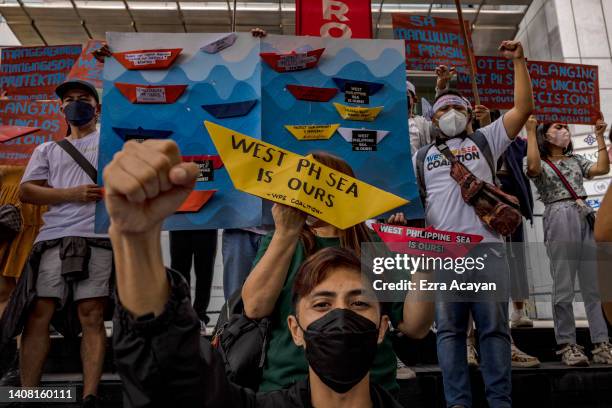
602, 148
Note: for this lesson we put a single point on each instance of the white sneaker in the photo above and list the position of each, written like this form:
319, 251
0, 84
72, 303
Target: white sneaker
602, 353
404, 372
472, 356
521, 359
573, 356
520, 319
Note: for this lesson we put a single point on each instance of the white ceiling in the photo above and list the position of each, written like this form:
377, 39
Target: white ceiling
36, 22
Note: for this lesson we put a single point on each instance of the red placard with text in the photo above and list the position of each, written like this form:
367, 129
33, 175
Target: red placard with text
432, 41
567, 93
334, 18
35, 72
87, 68
44, 115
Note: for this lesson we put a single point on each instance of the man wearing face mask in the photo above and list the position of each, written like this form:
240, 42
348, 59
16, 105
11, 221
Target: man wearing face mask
160, 356
446, 210
69, 264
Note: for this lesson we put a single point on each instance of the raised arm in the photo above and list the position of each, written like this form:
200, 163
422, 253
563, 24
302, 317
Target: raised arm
39, 193
418, 312
534, 162
265, 282
602, 167
515, 118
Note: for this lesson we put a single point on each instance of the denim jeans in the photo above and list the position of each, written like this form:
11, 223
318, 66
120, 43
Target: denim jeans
491, 320
239, 248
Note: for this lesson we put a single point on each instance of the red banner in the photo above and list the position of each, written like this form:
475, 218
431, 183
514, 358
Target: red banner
432, 41
87, 68
35, 72
44, 115
566, 93
334, 18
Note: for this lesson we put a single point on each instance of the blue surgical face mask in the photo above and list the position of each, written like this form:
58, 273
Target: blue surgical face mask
79, 113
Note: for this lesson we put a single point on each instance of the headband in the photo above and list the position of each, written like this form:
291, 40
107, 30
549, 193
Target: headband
450, 99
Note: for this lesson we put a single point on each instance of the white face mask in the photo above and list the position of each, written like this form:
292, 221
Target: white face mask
452, 123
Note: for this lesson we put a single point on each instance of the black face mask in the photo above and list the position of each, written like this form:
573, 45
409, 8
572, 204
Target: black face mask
340, 348
79, 113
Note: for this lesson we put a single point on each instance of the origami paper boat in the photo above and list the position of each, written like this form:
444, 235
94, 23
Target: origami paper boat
347, 134
230, 110
162, 94
141, 134
294, 61
373, 87
216, 159
312, 93
195, 201
8, 132
312, 132
148, 59
358, 113
220, 44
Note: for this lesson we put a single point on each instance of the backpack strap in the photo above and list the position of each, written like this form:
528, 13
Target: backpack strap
483, 145
420, 170
79, 159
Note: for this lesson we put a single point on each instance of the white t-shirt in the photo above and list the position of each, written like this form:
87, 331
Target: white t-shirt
420, 132
51, 163
446, 209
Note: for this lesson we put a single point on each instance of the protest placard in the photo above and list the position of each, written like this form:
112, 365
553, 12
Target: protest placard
278, 175
567, 93
432, 41
44, 115
35, 72
87, 68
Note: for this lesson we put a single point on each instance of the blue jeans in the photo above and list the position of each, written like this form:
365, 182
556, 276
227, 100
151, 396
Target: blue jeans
239, 248
495, 356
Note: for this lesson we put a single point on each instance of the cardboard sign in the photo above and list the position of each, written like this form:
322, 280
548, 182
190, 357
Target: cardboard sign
312, 93
312, 132
45, 116
432, 41
356, 93
334, 18
358, 113
566, 93
87, 68
270, 172
295, 61
220, 44
161, 94
426, 241
35, 72
148, 59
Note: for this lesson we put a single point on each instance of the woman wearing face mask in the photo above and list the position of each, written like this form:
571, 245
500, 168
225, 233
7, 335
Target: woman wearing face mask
568, 234
267, 290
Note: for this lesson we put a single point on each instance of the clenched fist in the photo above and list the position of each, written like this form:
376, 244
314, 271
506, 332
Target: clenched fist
512, 50
145, 183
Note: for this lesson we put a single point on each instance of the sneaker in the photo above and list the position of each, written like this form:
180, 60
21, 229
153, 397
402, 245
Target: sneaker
573, 356
602, 353
521, 359
404, 372
519, 318
472, 356
90, 401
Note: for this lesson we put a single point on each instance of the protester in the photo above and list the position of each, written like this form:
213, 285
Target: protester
603, 234
74, 263
419, 126
197, 248
157, 331
267, 290
446, 210
568, 234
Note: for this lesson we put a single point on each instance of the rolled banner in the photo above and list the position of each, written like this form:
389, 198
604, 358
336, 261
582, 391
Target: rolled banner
148, 59
358, 113
195, 201
140, 135
230, 110
154, 94
220, 44
294, 61
312, 93
8, 132
312, 132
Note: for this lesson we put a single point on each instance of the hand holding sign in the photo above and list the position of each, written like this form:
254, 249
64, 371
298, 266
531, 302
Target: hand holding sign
288, 221
600, 127
512, 50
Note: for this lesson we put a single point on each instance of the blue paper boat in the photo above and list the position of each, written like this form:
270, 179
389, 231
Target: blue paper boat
142, 134
230, 110
372, 86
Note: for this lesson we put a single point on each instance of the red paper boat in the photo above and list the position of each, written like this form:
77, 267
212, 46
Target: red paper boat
151, 93
294, 61
8, 132
216, 159
312, 93
148, 59
195, 201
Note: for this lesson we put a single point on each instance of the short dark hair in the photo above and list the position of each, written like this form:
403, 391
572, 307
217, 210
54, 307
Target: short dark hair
543, 144
316, 268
